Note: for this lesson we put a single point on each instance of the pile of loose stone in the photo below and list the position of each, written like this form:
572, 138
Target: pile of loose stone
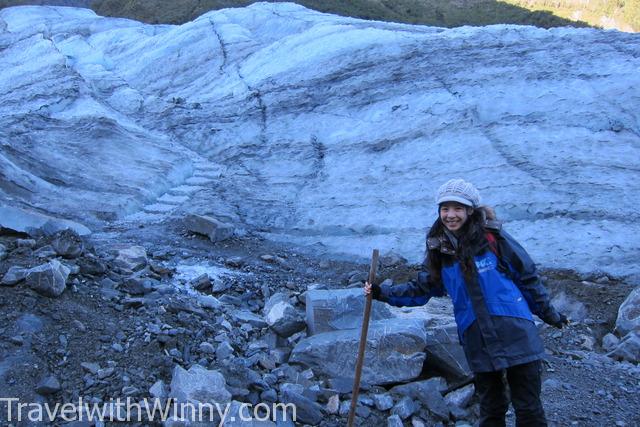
250, 338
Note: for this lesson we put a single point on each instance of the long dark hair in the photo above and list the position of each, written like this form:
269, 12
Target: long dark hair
471, 241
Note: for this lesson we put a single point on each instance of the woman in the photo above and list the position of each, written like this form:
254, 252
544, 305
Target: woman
495, 289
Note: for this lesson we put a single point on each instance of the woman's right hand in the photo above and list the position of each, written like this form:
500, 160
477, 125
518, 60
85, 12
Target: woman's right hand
367, 288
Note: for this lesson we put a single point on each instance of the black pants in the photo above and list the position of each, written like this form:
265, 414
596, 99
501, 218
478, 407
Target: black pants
525, 384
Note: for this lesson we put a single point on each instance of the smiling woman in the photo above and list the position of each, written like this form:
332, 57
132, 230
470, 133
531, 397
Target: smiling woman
456, 200
495, 291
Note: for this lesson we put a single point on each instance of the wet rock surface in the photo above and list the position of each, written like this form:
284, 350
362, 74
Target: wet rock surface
135, 321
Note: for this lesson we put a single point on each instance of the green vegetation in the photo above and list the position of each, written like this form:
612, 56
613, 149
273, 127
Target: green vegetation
451, 13
621, 14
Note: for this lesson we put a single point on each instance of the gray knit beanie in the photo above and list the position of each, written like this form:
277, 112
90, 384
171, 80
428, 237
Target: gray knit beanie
458, 190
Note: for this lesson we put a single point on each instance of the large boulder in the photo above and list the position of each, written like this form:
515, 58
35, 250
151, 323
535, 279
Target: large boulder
342, 309
197, 386
30, 222
283, 317
132, 259
628, 348
629, 314
68, 244
394, 351
338, 309
48, 279
444, 352
208, 226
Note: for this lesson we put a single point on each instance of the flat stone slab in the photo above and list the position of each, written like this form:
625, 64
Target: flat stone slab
338, 309
394, 351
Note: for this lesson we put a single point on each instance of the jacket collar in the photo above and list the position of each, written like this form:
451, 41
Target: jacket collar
444, 244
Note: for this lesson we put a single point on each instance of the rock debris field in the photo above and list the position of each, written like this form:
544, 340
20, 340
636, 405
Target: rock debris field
165, 313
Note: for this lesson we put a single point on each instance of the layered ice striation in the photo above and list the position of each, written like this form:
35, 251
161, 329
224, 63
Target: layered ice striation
326, 131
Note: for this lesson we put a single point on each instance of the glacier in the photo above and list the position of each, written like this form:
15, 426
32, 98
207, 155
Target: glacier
325, 132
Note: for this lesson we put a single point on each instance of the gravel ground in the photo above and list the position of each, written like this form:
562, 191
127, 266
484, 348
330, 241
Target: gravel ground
100, 344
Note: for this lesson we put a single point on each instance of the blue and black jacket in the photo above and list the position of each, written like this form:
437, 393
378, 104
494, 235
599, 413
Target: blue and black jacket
493, 314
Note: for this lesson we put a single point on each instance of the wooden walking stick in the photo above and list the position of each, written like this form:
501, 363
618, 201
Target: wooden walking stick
363, 340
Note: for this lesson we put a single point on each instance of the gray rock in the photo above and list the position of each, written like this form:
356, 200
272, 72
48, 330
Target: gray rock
129, 390
220, 285
90, 264
90, 367
45, 252
443, 348
24, 221
460, 397
307, 411
383, 402
248, 317
338, 309
68, 244
269, 395
394, 421
131, 259
283, 317
49, 279
629, 314
240, 376
26, 243
571, 307
159, 390
610, 341
391, 259
14, 276
230, 299
429, 393
201, 283
235, 262
73, 268
628, 349
48, 385
137, 286
333, 405
3, 252
209, 301
224, 350
405, 408
208, 226
198, 385
394, 352
105, 373
207, 348
280, 355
